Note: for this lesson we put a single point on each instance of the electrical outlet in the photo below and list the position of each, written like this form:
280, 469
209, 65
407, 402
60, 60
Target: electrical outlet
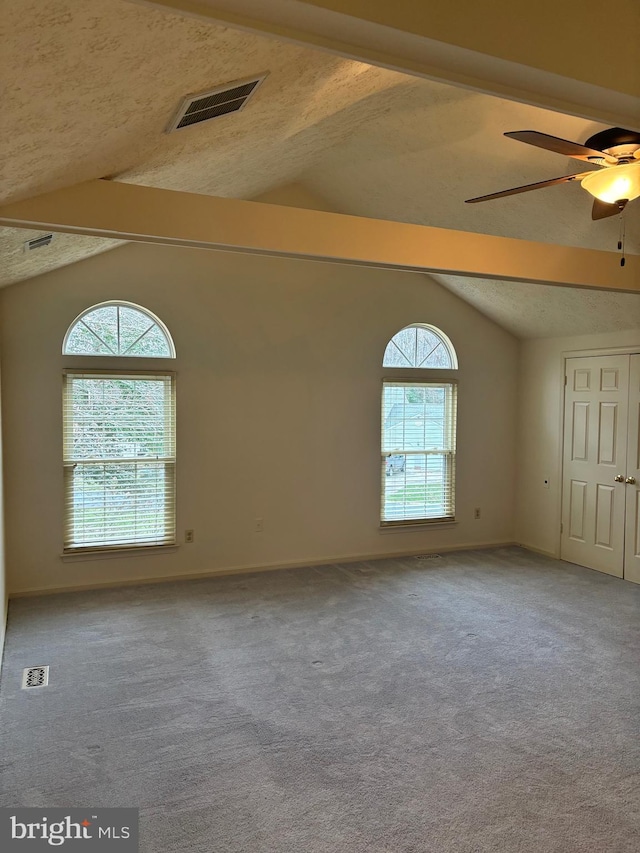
476, 512
259, 525
188, 536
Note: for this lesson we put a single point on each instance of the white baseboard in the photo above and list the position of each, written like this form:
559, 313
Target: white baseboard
268, 567
542, 551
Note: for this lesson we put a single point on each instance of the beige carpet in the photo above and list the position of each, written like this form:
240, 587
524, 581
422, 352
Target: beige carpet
485, 701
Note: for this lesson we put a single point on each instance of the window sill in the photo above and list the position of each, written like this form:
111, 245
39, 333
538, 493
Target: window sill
112, 553
402, 527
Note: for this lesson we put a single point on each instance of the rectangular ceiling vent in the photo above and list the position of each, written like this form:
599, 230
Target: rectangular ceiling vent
215, 103
38, 242
35, 676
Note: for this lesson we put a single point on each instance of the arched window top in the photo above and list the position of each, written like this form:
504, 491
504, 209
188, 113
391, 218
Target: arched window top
421, 346
120, 329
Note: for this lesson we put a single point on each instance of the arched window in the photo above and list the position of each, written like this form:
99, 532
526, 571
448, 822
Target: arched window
418, 427
118, 328
119, 433
420, 346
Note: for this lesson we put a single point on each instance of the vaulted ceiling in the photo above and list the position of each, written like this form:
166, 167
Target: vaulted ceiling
92, 85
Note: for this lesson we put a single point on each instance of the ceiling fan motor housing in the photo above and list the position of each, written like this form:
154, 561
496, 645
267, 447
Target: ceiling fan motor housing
616, 141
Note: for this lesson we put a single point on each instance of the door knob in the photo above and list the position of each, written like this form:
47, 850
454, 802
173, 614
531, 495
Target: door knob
630, 480
619, 478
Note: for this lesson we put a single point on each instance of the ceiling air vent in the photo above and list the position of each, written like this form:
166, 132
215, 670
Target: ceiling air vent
38, 242
214, 103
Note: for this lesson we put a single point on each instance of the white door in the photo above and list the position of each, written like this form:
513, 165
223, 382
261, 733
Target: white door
594, 472
632, 478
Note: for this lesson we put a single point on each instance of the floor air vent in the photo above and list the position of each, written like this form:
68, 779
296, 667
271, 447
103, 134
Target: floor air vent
214, 103
429, 557
35, 676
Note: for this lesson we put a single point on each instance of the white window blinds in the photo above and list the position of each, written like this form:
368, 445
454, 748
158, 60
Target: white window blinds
418, 451
119, 460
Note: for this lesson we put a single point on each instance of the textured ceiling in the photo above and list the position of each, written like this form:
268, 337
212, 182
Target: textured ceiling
104, 77
425, 158
543, 311
91, 85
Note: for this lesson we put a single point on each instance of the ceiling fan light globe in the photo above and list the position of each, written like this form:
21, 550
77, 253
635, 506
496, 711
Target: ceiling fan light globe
614, 183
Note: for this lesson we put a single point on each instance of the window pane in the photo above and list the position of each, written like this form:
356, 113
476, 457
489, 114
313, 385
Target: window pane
420, 490
140, 336
118, 329
405, 340
103, 322
132, 325
418, 447
426, 345
413, 417
418, 346
394, 357
152, 344
119, 441
120, 504
82, 341
120, 418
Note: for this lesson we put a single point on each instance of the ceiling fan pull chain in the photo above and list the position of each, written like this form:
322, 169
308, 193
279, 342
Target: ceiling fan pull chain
622, 236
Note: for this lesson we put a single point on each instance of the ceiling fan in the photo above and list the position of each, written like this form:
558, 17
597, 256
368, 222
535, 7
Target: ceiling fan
616, 151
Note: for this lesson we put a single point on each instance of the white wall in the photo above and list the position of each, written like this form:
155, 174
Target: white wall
299, 341
540, 431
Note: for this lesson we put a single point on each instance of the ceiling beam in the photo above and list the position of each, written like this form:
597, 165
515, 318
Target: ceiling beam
547, 54
146, 214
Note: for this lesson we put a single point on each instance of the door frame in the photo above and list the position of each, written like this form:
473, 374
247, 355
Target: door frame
564, 356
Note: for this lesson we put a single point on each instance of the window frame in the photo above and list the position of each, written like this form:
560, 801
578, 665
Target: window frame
125, 366
119, 303
420, 376
170, 462
434, 330
430, 379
